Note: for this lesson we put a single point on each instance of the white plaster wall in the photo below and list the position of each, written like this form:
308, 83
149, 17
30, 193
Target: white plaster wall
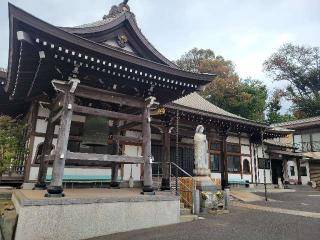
41, 126
261, 176
233, 139
245, 150
43, 112
133, 151
133, 134
244, 140
232, 176
294, 178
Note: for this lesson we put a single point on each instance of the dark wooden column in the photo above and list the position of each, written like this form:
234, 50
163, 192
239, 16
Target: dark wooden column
32, 122
146, 147
55, 189
298, 170
165, 164
46, 149
223, 160
115, 166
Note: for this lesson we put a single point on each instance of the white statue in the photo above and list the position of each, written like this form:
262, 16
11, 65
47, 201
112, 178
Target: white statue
201, 153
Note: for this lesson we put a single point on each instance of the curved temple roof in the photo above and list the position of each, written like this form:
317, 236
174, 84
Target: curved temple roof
40, 52
120, 21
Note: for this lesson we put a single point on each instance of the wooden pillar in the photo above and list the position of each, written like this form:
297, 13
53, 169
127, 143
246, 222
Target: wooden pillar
32, 122
223, 160
165, 164
55, 189
146, 146
46, 149
298, 170
115, 166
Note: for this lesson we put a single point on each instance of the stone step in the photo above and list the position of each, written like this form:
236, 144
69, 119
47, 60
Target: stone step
5, 194
185, 211
181, 205
188, 218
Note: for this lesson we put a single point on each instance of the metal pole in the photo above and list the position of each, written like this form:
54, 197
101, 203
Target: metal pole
177, 149
264, 169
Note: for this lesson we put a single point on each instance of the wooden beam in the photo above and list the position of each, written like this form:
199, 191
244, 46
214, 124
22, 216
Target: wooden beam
127, 139
57, 103
106, 113
128, 125
108, 96
94, 157
105, 96
57, 116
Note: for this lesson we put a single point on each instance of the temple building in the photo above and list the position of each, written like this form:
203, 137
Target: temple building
107, 57
105, 108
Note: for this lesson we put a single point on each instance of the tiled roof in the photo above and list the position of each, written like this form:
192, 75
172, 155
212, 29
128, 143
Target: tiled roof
95, 24
277, 143
299, 122
195, 101
3, 73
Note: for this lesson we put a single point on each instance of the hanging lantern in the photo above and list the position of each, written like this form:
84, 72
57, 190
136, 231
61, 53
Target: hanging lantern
95, 131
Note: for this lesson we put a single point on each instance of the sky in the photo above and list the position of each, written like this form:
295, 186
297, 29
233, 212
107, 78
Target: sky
244, 31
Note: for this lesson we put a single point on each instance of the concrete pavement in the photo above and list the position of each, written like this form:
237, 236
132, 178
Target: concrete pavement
239, 224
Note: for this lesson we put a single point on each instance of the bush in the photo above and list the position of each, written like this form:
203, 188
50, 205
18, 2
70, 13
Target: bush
12, 142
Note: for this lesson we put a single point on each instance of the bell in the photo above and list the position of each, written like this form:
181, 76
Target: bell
95, 131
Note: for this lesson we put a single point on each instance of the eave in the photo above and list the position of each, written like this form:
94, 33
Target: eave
45, 30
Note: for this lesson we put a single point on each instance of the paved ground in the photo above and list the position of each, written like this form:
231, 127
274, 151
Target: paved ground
303, 199
246, 223
239, 224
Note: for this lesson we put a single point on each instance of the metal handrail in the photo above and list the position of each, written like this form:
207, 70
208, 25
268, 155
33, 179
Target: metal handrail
193, 188
188, 174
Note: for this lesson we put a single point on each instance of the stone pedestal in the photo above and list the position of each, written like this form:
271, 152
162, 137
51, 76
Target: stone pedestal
90, 213
204, 183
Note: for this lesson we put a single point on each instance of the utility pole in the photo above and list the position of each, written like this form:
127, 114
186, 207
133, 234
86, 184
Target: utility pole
264, 169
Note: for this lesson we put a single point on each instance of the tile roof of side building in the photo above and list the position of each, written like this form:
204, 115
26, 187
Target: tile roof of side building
312, 121
195, 101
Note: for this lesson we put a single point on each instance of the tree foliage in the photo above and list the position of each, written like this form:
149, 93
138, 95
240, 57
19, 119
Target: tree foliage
12, 142
274, 107
300, 67
246, 98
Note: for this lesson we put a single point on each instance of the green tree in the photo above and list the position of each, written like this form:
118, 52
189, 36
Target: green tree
274, 107
246, 98
12, 142
300, 67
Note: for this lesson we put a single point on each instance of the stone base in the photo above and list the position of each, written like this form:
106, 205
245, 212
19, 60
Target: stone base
89, 213
201, 172
27, 185
165, 184
204, 183
40, 186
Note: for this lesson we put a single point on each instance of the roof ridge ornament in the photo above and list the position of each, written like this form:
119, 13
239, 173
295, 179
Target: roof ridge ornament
115, 10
